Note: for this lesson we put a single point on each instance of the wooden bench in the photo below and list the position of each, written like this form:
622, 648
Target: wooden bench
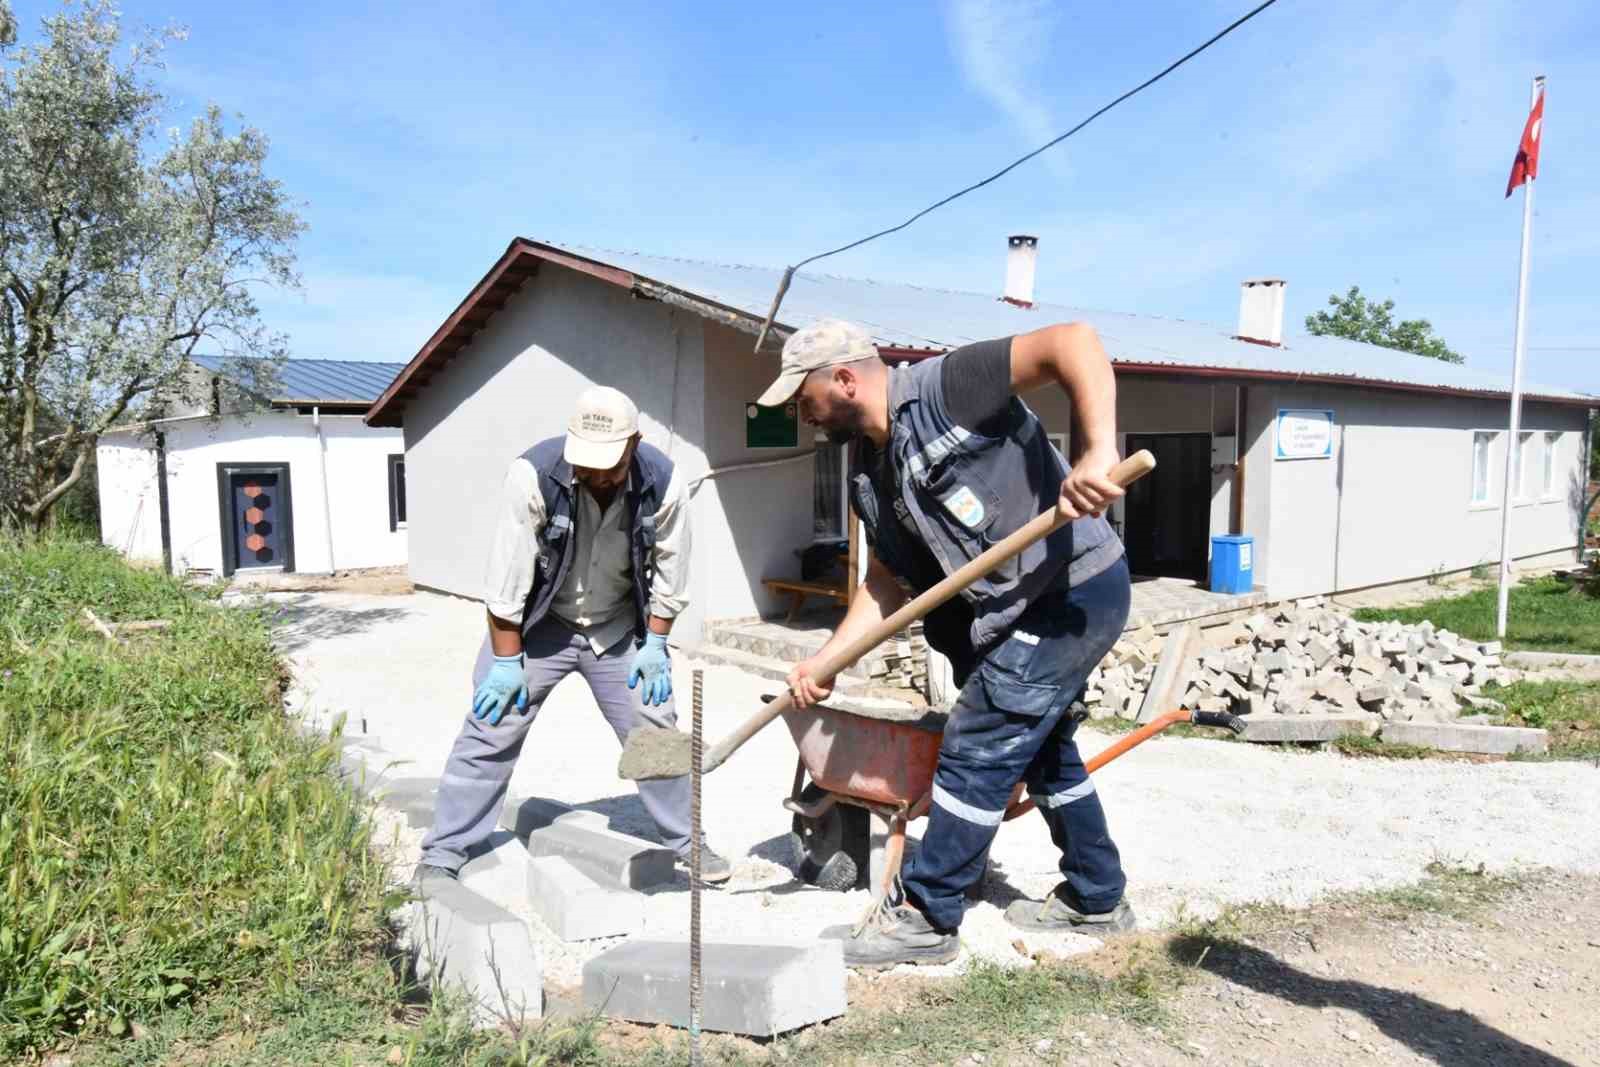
798, 591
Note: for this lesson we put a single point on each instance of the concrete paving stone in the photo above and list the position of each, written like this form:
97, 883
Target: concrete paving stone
497, 870
460, 939
1455, 737
1309, 728
577, 908
1172, 670
759, 990
522, 816
616, 860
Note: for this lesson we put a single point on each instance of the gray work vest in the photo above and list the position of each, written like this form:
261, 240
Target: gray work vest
648, 477
964, 492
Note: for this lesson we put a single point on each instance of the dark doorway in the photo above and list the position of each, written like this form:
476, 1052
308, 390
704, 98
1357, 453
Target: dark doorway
1168, 512
257, 522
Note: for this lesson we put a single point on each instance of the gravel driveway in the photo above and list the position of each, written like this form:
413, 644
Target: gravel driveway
1200, 823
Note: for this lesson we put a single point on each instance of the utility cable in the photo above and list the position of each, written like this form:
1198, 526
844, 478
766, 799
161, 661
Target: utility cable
788, 273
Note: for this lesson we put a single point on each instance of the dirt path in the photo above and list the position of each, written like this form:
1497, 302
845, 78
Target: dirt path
1433, 980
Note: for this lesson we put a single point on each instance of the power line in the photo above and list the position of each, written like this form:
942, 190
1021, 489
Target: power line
788, 273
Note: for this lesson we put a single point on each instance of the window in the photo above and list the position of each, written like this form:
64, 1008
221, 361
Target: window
1519, 466
1060, 441
830, 500
1482, 446
1552, 441
397, 492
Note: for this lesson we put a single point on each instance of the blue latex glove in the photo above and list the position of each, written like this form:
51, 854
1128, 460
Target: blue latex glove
502, 686
651, 664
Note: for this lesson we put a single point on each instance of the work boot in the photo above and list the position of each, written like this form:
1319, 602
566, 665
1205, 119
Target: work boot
894, 933
1055, 914
713, 867
430, 874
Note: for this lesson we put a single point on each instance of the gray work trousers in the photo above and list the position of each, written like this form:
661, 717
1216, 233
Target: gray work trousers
479, 768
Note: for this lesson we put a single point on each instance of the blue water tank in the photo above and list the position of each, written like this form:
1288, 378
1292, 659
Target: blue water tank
1232, 563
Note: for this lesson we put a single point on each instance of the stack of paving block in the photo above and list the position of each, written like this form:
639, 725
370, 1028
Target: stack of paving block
1305, 658
903, 661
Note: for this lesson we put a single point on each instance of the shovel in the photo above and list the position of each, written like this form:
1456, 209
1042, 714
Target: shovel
655, 752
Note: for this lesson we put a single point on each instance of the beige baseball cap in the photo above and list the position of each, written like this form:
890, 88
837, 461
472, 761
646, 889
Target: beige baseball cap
825, 343
598, 432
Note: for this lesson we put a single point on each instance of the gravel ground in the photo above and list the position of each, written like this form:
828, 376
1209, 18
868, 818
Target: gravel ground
1200, 823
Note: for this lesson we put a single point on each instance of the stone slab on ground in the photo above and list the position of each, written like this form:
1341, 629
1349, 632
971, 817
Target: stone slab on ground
497, 870
460, 939
618, 861
522, 816
577, 908
1308, 728
759, 990
1456, 737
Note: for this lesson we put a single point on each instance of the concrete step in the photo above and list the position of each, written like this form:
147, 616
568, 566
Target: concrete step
776, 670
461, 939
777, 642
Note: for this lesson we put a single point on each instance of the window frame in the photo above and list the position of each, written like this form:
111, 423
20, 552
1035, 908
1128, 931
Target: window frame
843, 532
1522, 493
1486, 502
1552, 445
397, 502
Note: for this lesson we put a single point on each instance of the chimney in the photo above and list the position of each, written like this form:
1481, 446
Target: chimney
1021, 260
1261, 311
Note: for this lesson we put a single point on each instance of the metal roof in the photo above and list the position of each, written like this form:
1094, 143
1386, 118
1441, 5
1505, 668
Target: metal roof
908, 320
910, 316
320, 381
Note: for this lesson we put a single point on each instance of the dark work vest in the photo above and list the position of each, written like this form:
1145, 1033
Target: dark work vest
963, 492
648, 477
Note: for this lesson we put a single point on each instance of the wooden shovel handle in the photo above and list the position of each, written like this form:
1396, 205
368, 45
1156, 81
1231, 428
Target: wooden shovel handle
1039, 527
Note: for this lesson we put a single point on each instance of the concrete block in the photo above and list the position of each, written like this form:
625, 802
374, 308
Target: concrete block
1375, 694
1456, 737
498, 870
757, 990
1274, 661
1490, 648
523, 817
577, 908
1320, 652
1172, 669
460, 939
617, 861
1309, 728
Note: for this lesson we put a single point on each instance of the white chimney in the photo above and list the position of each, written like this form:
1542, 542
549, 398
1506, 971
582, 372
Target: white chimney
1021, 260
1261, 311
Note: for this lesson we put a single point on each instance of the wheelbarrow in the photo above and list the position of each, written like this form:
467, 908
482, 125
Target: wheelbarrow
876, 759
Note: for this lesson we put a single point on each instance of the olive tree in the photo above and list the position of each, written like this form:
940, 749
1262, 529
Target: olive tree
125, 245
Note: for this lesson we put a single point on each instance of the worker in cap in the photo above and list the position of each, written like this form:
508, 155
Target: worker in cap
947, 461
588, 567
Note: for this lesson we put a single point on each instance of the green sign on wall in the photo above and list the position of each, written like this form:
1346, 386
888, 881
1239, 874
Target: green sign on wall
771, 427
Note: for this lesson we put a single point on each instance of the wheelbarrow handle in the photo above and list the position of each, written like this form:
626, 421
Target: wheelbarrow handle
1141, 735
1038, 528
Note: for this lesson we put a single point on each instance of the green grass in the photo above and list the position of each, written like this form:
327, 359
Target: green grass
182, 880
1544, 614
1374, 748
1570, 711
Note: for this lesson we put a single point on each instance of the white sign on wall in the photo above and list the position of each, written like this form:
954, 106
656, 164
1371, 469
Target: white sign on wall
1304, 434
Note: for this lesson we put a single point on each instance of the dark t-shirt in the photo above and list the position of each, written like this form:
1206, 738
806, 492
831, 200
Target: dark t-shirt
976, 382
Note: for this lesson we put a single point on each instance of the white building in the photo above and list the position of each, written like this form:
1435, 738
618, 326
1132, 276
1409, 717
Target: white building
1348, 464
294, 481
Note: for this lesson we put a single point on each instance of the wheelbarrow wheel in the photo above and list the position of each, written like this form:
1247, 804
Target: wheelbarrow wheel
830, 851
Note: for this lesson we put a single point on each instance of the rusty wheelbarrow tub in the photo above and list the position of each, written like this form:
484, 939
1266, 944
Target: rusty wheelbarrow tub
865, 757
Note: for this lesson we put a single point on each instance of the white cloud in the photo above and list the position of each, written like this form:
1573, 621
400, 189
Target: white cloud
1000, 46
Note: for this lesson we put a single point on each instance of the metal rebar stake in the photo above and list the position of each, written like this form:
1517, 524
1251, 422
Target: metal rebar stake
696, 748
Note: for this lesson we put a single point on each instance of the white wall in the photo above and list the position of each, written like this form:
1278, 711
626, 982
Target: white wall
515, 385
1400, 507
357, 489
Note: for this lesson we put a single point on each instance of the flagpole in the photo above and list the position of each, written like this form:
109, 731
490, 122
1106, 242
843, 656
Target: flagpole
1514, 458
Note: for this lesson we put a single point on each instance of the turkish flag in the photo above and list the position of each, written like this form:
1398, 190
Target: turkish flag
1526, 166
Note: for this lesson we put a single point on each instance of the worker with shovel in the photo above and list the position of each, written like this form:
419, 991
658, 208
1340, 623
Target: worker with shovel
588, 567
948, 461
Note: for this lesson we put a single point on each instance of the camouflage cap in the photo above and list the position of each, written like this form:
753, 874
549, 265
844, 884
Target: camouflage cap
825, 343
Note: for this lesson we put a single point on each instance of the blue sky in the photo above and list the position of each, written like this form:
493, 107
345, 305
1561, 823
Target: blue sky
1364, 142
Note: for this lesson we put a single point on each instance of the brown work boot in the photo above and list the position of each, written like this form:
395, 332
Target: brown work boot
894, 933
1056, 915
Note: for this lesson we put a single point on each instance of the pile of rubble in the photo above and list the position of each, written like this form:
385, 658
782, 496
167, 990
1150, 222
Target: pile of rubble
902, 662
1305, 659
